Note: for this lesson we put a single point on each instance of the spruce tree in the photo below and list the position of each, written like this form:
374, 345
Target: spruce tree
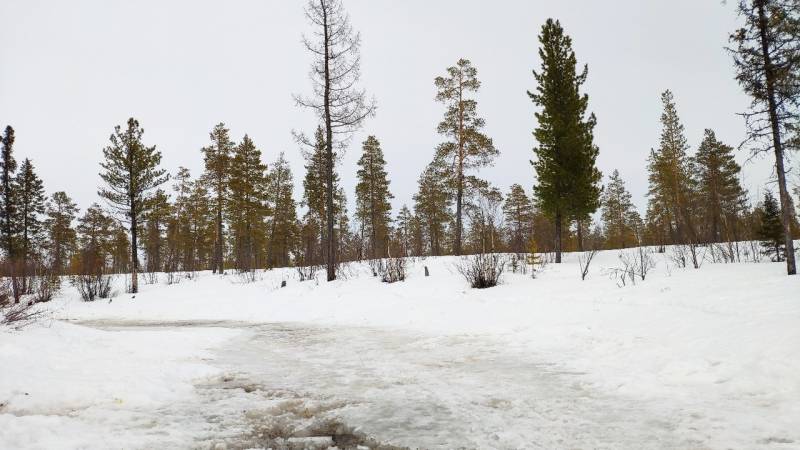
373, 207
29, 191
620, 218
770, 231
217, 158
8, 166
720, 194
61, 236
567, 185
432, 204
518, 214
246, 204
130, 171
670, 192
767, 60
283, 231
468, 147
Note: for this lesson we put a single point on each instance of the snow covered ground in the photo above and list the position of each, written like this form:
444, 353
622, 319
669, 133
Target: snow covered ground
705, 358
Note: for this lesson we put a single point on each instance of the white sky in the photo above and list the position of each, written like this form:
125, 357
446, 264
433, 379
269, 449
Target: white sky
70, 71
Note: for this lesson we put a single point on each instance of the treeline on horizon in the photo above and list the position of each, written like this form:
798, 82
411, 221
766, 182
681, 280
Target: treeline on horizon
240, 213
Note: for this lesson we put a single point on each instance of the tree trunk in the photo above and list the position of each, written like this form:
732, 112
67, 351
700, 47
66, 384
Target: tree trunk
786, 214
558, 237
329, 153
134, 259
580, 235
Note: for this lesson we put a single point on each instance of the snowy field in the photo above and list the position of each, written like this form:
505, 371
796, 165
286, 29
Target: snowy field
687, 359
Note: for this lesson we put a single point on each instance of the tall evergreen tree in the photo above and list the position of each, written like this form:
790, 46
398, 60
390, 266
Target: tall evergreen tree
61, 236
130, 171
432, 204
217, 158
8, 166
373, 207
156, 219
246, 204
95, 233
29, 191
567, 180
518, 213
670, 193
767, 60
405, 230
315, 200
770, 231
468, 147
283, 231
720, 194
620, 218
337, 101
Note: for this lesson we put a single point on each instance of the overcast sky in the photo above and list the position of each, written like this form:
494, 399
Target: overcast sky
71, 71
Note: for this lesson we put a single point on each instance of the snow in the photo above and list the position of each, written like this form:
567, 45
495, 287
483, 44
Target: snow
704, 358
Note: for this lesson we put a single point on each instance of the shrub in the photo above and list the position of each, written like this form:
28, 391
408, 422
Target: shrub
482, 270
394, 270
46, 285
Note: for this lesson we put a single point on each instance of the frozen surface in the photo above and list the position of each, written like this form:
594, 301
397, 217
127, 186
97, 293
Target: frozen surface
688, 358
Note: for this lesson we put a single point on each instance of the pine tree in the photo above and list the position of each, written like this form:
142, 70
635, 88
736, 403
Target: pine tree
95, 232
246, 204
336, 100
131, 171
202, 228
30, 201
217, 158
156, 219
719, 191
405, 230
61, 236
468, 147
620, 218
373, 207
518, 213
670, 192
8, 165
767, 61
770, 231
432, 204
567, 179
283, 231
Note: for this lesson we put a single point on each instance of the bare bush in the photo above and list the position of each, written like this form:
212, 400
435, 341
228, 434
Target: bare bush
306, 273
20, 314
393, 270
635, 263
584, 261
46, 285
92, 286
683, 254
482, 270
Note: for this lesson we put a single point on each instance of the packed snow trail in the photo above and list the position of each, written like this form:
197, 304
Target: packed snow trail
281, 381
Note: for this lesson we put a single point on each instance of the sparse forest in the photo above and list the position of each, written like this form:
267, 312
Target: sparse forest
240, 214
